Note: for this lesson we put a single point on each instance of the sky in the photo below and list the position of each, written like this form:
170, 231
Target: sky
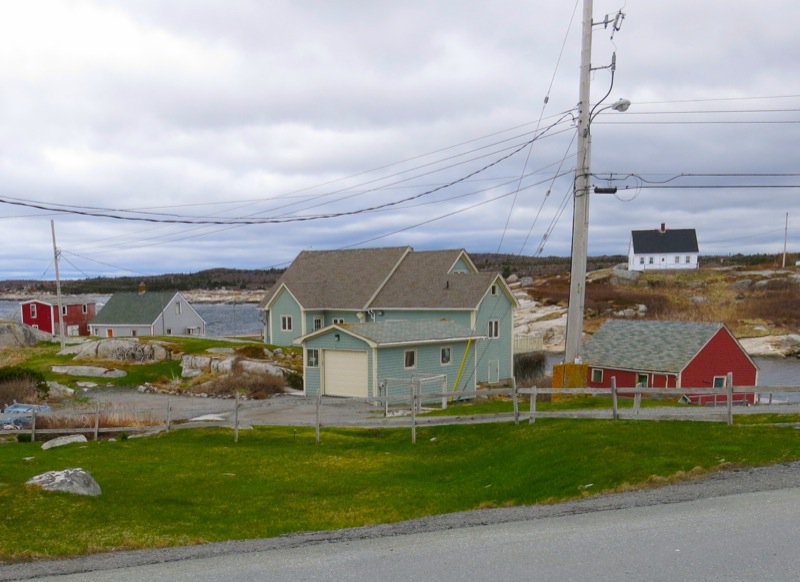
171, 137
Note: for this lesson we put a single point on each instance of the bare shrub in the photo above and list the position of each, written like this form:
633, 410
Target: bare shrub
20, 390
254, 385
528, 368
251, 352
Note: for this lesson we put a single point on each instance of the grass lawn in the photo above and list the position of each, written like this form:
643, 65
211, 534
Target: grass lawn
195, 486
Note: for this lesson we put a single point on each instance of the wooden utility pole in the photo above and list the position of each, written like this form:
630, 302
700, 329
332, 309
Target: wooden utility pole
785, 240
56, 255
580, 217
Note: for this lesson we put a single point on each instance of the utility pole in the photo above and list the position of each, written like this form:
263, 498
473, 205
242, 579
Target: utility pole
580, 217
56, 254
785, 240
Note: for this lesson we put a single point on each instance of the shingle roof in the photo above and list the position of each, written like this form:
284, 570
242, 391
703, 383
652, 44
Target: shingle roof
682, 240
408, 332
658, 346
134, 308
422, 281
344, 279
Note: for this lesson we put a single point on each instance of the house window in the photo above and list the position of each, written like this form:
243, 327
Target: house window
677, 259
133, 333
597, 375
169, 331
410, 359
312, 358
719, 381
63, 310
35, 326
641, 260
688, 259
317, 323
642, 380
178, 308
494, 289
33, 310
84, 309
445, 355
286, 323
650, 260
338, 321
494, 328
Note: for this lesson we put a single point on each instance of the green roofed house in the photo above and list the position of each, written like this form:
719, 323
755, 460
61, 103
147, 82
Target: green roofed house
147, 313
387, 305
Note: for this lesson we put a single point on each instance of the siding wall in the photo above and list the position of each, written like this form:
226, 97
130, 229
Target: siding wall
120, 330
720, 356
284, 305
391, 365
627, 378
662, 262
312, 377
461, 266
497, 349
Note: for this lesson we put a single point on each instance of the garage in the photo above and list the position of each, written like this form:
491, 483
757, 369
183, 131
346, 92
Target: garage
345, 373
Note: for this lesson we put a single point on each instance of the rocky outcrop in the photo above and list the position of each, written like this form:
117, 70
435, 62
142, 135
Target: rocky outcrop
14, 335
91, 371
77, 481
192, 366
125, 350
64, 440
773, 345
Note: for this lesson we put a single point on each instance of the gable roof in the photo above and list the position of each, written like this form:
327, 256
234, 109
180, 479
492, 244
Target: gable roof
423, 281
681, 240
344, 279
65, 300
658, 346
401, 332
134, 308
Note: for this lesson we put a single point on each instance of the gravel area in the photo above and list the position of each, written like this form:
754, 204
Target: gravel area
783, 476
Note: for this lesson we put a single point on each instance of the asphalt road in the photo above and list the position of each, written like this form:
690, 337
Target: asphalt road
749, 536
735, 525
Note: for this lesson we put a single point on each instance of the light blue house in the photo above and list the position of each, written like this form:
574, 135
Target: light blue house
439, 297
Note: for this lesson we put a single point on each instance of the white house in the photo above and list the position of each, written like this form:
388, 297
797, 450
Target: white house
662, 249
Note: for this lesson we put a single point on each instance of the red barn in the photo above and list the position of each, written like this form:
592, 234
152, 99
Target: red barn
668, 354
42, 314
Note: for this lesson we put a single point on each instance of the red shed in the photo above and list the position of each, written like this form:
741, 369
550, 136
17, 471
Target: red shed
42, 314
668, 354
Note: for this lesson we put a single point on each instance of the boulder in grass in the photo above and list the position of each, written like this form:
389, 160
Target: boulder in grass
77, 481
64, 440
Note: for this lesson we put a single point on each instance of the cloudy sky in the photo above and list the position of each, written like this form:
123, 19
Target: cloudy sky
239, 133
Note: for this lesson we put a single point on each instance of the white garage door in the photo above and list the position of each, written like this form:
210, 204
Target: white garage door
345, 373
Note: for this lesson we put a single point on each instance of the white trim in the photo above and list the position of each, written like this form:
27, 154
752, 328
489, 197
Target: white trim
399, 262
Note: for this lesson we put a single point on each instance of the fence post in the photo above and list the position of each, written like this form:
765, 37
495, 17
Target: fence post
515, 399
385, 388
33, 427
236, 418
637, 399
316, 422
614, 405
413, 412
97, 421
534, 394
169, 414
729, 389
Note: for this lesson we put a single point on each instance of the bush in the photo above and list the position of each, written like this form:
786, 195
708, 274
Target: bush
529, 367
253, 385
252, 352
293, 379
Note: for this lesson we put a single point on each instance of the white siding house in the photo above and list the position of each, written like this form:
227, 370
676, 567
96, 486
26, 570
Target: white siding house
662, 249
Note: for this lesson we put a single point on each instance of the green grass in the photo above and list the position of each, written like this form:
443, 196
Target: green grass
196, 486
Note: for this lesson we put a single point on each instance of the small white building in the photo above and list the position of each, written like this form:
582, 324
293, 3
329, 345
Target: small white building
662, 249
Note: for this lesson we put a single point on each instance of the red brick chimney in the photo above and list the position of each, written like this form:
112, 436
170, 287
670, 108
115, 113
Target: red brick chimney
663, 228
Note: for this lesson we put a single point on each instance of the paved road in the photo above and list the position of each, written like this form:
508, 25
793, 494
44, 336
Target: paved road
733, 525
749, 536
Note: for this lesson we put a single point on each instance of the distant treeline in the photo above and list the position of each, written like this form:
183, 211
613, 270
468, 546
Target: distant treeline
262, 279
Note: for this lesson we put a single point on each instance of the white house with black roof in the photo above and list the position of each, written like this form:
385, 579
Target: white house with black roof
663, 249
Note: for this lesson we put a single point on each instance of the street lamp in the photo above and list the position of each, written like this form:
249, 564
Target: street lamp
580, 224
